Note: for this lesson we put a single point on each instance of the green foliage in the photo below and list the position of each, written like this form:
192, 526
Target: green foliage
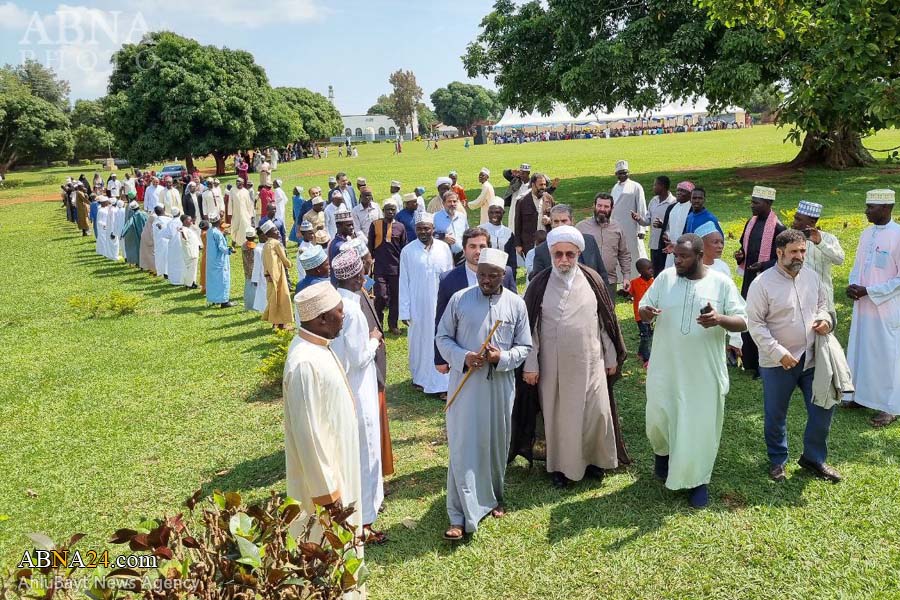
32, 129
249, 547
272, 365
405, 97
426, 116
462, 104
43, 83
383, 106
318, 118
765, 99
113, 304
92, 141
170, 96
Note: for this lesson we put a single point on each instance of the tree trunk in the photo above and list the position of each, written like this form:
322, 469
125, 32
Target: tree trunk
220, 163
839, 149
189, 162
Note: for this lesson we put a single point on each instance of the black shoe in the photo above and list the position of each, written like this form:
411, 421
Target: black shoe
226, 305
822, 471
165, 276
193, 286
777, 474
699, 496
595, 472
559, 480
661, 468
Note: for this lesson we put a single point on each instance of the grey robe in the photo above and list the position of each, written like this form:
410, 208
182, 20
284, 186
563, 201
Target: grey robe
479, 422
570, 355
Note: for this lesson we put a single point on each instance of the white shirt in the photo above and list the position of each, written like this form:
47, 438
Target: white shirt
330, 224
499, 235
363, 217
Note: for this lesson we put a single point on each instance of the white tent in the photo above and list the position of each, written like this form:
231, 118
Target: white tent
561, 116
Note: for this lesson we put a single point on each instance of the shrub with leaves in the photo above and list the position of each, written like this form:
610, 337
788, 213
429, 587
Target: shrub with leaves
114, 304
272, 366
237, 553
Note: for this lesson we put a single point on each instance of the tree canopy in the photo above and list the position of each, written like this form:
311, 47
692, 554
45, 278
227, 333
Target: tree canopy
405, 97
32, 129
170, 96
89, 129
318, 117
43, 82
838, 59
462, 104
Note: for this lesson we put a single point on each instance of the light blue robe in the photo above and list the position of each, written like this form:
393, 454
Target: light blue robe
218, 267
479, 423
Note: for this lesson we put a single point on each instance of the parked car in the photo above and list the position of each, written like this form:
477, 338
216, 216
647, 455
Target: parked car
176, 172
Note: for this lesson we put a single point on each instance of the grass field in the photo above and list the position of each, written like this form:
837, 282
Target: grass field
108, 420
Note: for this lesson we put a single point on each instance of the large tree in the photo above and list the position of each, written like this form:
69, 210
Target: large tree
463, 104
405, 97
383, 106
170, 96
318, 118
837, 58
90, 131
43, 82
426, 117
31, 129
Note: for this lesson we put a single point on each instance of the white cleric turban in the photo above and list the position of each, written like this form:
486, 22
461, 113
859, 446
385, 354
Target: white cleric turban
492, 256
443, 181
315, 300
565, 233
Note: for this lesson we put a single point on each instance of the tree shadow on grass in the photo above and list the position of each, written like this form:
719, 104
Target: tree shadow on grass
180, 310
260, 472
250, 334
265, 392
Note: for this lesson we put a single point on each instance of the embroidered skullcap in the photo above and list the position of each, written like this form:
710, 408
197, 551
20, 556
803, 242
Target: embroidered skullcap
621, 165
423, 216
410, 197
443, 181
306, 226
346, 265
525, 167
316, 300
810, 209
250, 233
485, 171
493, 256
389, 202
706, 229
332, 180
214, 217
357, 245
880, 197
312, 257
342, 217
133, 205
686, 186
267, 226
176, 211
321, 237
565, 233
360, 181
395, 183
763, 193
419, 190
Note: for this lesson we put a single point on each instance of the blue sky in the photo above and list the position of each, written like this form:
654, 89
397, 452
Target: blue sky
351, 44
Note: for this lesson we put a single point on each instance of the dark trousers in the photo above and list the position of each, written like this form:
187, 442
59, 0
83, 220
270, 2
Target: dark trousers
658, 260
387, 294
71, 213
778, 386
646, 332
749, 353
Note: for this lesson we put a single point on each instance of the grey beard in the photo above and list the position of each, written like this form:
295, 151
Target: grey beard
602, 219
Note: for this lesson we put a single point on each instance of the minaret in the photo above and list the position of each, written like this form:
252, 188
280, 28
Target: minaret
331, 94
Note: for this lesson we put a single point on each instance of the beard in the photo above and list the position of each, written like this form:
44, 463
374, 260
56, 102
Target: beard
601, 218
794, 266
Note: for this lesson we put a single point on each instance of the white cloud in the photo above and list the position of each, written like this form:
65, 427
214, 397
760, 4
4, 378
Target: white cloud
231, 12
12, 16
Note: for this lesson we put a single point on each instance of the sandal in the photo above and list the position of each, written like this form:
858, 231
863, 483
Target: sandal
455, 533
374, 538
883, 419
498, 512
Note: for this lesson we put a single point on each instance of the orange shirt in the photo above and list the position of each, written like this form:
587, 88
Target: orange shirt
459, 191
639, 287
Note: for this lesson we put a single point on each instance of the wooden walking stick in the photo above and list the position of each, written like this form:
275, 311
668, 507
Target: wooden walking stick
465, 378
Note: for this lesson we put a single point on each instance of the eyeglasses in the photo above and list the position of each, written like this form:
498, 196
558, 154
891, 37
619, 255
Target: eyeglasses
571, 254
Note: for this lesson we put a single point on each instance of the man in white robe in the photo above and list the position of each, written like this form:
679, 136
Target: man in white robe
335, 205
260, 297
823, 250
320, 422
873, 351
280, 200
356, 347
241, 207
118, 217
629, 210
170, 198
160, 243
150, 198
422, 261
479, 422
675, 219
686, 397
174, 255
500, 234
104, 228
486, 198
190, 250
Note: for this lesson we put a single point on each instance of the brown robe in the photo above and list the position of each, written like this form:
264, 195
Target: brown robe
83, 207
528, 404
387, 451
278, 294
146, 258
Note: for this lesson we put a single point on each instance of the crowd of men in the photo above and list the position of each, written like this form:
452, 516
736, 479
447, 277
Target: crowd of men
446, 267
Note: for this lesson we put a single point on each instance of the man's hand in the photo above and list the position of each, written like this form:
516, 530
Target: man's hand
376, 335
555, 182
815, 236
821, 327
788, 362
648, 313
709, 318
626, 285
641, 236
474, 361
739, 256
449, 239
530, 378
545, 220
657, 223
493, 354
635, 216
442, 369
610, 371
518, 249
855, 292
755, 267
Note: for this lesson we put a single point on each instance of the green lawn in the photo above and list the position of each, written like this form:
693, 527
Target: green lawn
108, 420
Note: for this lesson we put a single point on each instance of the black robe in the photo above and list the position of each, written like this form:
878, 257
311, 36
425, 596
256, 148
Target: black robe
527, 404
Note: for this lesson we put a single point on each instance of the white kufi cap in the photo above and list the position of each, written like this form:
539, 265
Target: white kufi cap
763, 193
492, 256
880, 197
316, 300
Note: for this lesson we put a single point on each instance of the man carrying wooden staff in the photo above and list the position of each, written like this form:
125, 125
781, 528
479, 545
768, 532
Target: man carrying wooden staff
479, 421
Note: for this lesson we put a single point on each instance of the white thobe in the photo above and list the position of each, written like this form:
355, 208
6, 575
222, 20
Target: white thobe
280, 204
321, 445
820, 258
170, 199
873, 350
150, 198
420, 275
103, 232
160, 244
174, 255
356, 351
330, 224
677, 220
483, 201
242, 215
364, 217
190, 249
118, 226
628, 197
258, 277
499, 235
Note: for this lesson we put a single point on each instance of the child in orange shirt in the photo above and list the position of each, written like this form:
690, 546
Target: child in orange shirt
639, 286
